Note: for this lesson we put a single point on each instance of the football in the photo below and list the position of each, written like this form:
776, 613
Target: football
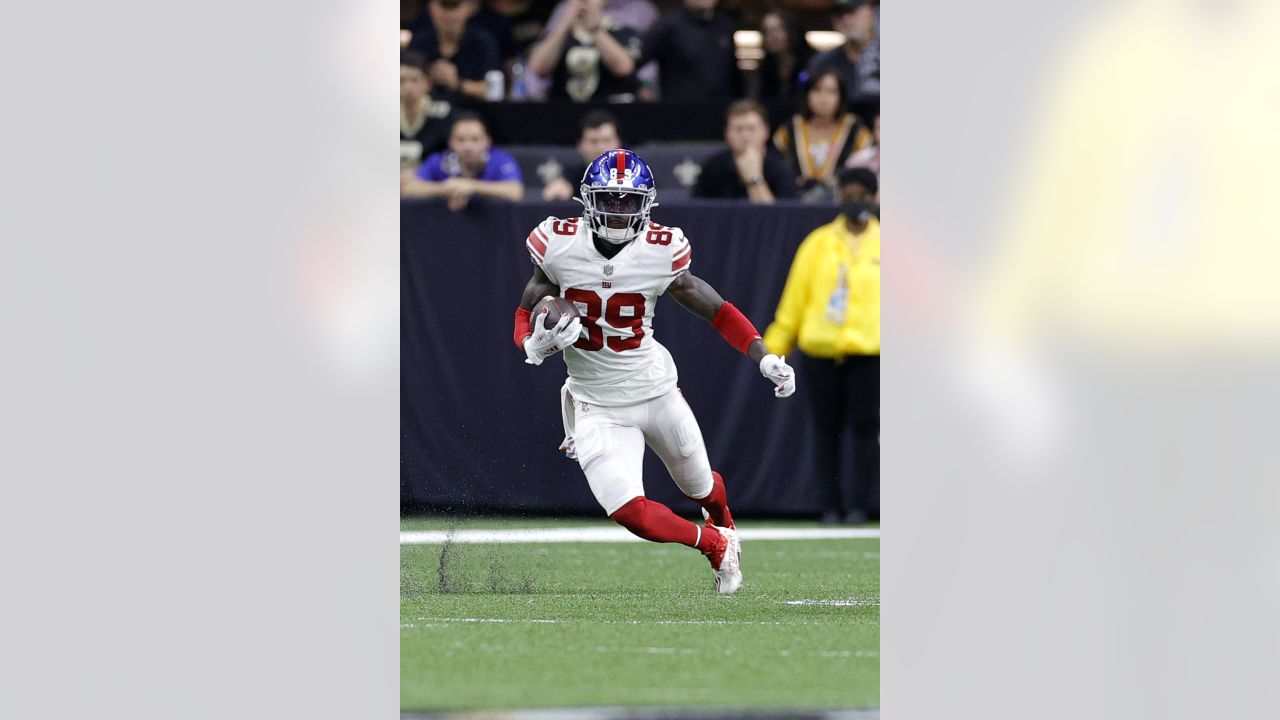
555, 307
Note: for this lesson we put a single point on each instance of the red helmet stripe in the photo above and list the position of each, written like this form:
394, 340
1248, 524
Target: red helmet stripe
622, 166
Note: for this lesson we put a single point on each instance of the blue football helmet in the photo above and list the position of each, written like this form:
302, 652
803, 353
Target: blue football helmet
617, 193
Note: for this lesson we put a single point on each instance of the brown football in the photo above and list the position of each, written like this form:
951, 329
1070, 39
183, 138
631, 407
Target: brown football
555, 307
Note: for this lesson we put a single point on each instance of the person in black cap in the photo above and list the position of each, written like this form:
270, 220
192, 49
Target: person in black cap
859, 184
858, 59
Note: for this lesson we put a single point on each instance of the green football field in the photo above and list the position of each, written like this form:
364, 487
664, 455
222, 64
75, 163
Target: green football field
537, 625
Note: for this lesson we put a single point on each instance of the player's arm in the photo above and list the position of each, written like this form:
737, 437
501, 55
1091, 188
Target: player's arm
531, 334
538, 287
699, 298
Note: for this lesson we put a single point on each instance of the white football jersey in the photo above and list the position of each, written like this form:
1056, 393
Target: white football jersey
619, 361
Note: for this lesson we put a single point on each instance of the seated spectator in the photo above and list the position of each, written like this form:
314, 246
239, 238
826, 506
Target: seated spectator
693, 45
786, 55
587, 56
858, 60
748, 168
869, 156
424, 123
598, 132
458, 55
471, 166
823, 134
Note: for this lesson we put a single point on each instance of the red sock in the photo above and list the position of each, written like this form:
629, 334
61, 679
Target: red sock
717, 502
655, 521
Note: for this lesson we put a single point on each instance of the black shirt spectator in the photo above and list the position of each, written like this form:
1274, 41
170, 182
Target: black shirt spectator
458, 55
582, 75
526, 18
694, 49
494, 24
719, 177
747, 168
588, 56
786, 55
858, 60
424, 122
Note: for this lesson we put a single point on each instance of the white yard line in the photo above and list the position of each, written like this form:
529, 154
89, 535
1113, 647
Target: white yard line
615, 534
835, 603
446, 621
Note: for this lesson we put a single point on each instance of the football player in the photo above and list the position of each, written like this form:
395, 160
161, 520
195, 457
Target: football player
613, 264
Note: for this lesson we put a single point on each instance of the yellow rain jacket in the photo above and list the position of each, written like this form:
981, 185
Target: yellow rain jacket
831, 302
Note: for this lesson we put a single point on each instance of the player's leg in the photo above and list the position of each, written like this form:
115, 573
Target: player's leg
610, 449
672, 430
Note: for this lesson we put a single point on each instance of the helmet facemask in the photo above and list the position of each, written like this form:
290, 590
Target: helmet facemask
616, 214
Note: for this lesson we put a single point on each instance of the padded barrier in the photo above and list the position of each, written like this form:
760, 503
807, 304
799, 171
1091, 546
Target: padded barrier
480, 428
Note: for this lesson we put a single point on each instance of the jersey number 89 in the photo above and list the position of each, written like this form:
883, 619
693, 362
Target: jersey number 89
613, 314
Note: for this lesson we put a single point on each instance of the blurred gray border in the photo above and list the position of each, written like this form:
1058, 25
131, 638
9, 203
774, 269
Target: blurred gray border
1078, 523
199, 302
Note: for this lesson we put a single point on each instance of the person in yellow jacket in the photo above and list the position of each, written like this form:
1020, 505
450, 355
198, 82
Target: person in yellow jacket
830, 307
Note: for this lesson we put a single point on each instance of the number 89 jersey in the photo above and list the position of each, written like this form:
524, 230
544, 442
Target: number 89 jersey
618, 361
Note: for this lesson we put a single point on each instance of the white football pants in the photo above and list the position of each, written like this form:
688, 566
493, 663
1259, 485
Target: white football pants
610, 445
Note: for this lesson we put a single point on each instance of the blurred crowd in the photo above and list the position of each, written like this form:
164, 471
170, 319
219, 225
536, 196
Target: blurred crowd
817, 59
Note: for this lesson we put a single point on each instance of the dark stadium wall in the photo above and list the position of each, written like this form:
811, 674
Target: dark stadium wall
480, 428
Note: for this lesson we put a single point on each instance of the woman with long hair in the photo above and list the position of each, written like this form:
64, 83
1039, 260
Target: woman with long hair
818, 139
786, 54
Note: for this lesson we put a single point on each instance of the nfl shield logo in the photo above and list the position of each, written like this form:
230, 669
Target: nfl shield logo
608, 270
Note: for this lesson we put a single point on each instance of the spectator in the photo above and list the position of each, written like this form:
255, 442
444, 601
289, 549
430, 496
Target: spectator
858, 60
831, 306
693, 45
458, 55
483, 16
639, 15
823, 134
424, 123
748, 168
869, 156
598, 132
526, 18
786, 55
471, 166
587, 55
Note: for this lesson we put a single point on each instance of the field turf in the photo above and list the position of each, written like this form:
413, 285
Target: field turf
501, 626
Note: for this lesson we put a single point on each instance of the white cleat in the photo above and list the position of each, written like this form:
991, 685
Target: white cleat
729, 574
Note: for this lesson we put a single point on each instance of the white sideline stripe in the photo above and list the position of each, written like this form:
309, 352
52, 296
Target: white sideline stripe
614, 534
445, 621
